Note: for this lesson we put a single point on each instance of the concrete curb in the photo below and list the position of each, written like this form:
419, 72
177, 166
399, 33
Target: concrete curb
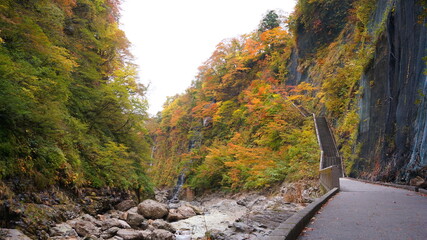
406, 187
293, 226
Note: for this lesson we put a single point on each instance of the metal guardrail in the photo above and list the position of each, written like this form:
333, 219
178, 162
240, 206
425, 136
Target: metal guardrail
330, 167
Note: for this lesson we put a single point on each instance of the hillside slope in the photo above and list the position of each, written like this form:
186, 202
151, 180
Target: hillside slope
360, 63
71, 111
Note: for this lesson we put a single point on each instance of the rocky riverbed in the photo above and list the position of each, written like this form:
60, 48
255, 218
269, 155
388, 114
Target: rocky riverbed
250, 216
217, 216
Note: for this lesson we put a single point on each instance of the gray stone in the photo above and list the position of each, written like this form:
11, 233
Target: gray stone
162, 224
115, 238
90, 218
242, 227
125, 205
134, 219
114, 222
160, 234
62, 229
66, 238
152, 209
174, 215
132, 234
186, 211
86, 228
109, 233
196, 209
12, 234
147, 235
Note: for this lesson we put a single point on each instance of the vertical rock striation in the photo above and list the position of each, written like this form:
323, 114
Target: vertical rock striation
393, 104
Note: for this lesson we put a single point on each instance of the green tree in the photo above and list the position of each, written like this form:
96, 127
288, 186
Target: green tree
271, 20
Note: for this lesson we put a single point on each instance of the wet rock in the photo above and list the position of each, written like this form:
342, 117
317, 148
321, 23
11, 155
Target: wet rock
62, 229
152, 209
109, 233
132, 234
160, 234
162, 224
186, 211
12, 234
125, 205
86, 228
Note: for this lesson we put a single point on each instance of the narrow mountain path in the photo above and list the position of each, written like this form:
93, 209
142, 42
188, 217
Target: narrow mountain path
369, 211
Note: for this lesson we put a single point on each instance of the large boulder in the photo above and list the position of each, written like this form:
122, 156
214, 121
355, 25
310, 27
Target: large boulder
152, 209
125, 205
132, 234
160, 234
86, 229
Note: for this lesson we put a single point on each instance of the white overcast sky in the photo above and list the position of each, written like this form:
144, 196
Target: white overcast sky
172, 38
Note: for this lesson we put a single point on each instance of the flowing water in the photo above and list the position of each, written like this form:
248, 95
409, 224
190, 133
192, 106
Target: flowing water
177, 188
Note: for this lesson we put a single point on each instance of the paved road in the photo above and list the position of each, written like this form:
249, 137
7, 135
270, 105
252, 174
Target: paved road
370, 212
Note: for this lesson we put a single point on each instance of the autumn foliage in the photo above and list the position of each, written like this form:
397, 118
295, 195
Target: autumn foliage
71, 110
235, 127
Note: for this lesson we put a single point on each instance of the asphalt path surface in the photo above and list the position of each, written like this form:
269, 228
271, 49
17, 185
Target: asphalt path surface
369, 211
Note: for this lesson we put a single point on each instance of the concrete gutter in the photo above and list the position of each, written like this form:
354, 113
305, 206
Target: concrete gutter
293, 226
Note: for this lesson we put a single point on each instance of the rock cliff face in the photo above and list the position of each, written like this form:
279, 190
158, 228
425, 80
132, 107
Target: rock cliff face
319, 23
393, 103
392, 99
